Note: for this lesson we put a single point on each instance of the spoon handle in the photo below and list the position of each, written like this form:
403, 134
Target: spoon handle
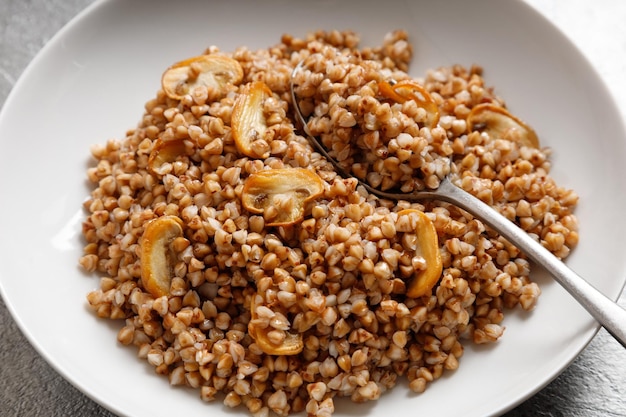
607, 312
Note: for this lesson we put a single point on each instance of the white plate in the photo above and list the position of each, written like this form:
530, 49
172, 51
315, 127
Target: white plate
90, 82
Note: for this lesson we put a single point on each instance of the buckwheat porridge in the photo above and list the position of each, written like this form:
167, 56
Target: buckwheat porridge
245, 267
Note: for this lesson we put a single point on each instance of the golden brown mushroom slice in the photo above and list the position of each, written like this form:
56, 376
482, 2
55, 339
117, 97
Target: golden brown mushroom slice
281, 194
427, 247
157, 255
165, 152
292, 344
212, 71
248, 120
406, 90
497, 122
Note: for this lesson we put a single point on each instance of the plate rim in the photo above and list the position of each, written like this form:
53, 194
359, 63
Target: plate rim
93, 9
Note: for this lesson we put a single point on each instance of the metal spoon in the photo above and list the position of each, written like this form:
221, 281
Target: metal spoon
608, 313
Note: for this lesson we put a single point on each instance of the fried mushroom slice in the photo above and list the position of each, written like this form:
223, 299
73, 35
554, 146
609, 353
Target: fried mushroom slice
249, 124
281, 194
497, 122
421, 237
291, 344
164, 153
215, 72
157, 255
406, 90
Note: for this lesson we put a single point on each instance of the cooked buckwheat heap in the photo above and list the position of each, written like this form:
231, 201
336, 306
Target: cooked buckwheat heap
241, 264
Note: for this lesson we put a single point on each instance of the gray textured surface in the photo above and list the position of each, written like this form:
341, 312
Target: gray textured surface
594, 385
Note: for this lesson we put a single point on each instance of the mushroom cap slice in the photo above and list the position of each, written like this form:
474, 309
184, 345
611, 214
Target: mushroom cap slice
292, 345
283, 191
165, 152
497, 122
406, 90
415, 221
248, 120
212, 71
157, 255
